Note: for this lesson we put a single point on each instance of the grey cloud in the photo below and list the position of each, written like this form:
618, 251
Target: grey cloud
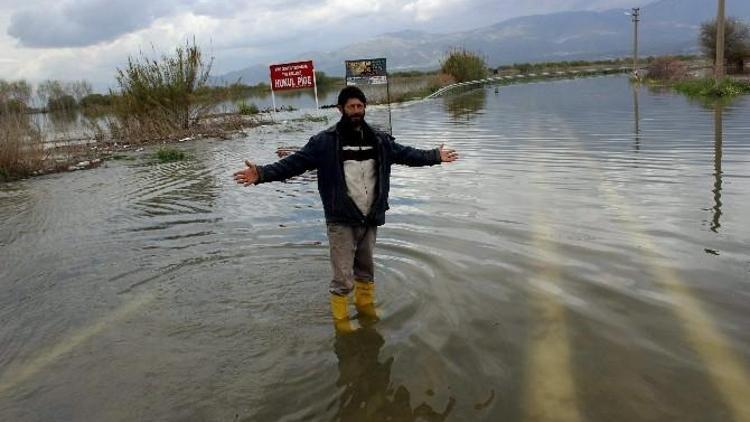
230, 8
87, 22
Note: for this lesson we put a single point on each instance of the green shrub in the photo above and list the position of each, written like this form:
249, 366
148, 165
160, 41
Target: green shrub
708, 87
464, 65
169, 154
247, 109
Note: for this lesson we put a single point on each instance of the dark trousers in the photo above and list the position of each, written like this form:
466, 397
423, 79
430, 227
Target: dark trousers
351, 256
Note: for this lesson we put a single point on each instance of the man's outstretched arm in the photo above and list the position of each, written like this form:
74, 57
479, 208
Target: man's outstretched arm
301, 161
414, 157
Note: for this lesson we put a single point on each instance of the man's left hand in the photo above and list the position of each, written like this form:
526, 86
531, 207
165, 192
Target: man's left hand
447, 155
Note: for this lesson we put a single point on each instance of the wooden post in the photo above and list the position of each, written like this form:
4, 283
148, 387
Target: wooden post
719, 71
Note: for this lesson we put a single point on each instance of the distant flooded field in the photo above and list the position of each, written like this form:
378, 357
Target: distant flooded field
587, 259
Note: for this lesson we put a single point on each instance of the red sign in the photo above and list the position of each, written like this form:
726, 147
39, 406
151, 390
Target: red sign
297, 75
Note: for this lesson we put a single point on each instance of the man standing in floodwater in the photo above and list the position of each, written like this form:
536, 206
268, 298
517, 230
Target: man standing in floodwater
354, 169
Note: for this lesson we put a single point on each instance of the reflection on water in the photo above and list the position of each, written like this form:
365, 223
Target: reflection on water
368, 391
637, 116
464, 106
718, 129
556, 271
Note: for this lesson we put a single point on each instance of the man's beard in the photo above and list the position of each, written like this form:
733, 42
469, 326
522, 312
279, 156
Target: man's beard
354, 120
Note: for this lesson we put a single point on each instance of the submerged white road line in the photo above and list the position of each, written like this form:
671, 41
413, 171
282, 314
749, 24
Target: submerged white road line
723, 364
550, 393
16, 376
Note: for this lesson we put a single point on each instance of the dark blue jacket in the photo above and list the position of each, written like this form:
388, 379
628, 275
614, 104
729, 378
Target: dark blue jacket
322, 153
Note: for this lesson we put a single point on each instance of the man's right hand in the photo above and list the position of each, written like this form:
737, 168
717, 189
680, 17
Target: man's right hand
248, 176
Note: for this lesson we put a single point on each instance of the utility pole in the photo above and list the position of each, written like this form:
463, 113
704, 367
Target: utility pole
719, 65
636, 18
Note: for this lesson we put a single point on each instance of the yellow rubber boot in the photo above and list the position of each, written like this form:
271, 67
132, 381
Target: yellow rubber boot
364, 299
340, 314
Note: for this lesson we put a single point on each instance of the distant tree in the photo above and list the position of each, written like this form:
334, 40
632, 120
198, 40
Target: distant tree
49, 90
14, 96
464, 65
736, 41
78, 90
64, 103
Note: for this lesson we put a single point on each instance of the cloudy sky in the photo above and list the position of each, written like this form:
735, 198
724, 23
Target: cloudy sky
88, 39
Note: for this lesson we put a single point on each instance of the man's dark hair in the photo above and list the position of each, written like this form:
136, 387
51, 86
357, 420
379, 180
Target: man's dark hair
351, 92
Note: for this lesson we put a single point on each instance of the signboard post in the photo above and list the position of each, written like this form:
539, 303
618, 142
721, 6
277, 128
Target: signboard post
296, 75
370, 72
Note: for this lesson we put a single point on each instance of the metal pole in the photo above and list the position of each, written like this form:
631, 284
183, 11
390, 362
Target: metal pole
273, 99
636, 18
388, 94
719, 65
315, 87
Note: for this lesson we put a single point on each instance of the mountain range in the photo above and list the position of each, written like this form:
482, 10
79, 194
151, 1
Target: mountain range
666, 27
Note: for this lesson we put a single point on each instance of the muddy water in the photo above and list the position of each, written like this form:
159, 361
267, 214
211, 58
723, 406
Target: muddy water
586, 260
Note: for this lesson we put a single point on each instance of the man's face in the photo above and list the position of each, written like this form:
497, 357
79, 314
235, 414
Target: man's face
354, 111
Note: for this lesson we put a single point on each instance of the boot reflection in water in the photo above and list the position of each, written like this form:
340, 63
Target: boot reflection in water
368, 393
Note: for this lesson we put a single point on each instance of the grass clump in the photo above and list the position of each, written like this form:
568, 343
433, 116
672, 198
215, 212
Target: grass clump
169, 154
247, 109
311, 118
724, 88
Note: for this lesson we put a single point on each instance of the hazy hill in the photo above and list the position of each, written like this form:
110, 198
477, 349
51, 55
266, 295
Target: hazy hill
667, 26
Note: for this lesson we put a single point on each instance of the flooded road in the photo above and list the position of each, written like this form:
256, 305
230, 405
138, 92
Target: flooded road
587, 259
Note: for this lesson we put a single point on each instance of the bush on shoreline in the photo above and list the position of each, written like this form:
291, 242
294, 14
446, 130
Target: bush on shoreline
667, 69
464, 65
158, 97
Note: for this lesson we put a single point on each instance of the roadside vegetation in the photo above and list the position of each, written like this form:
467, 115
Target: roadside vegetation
675, 73
710, 88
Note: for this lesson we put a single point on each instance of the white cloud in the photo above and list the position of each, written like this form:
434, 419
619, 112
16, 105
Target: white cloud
74, 39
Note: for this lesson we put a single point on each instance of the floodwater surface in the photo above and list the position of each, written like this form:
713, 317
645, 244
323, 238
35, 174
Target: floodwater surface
587, 259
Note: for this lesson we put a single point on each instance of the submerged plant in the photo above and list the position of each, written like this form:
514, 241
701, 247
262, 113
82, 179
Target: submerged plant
169, 154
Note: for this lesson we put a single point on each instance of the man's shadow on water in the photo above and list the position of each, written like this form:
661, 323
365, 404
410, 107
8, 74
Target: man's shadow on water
368, 394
